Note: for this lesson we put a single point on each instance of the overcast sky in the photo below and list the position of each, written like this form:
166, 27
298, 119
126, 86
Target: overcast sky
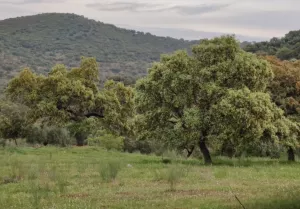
189, 19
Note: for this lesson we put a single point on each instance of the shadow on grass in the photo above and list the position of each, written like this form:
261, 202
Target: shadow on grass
235, 162
248, 162
288, 200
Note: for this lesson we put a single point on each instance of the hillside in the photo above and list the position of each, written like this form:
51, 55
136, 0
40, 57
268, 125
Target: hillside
285, 48
43, 40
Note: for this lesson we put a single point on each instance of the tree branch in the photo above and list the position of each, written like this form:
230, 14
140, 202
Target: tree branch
94, 114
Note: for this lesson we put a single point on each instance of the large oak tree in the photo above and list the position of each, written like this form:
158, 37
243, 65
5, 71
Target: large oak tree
186, 99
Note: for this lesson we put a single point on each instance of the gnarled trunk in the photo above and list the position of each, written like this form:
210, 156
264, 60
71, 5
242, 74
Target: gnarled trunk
291, 154
205, 151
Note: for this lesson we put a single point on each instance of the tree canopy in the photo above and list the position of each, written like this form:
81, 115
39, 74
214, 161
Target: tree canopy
285, 48
186, 99
65, 96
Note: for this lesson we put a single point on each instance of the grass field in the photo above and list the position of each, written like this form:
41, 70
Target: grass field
52, 177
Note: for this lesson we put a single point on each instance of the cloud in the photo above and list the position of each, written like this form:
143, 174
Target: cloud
146, 7
199, 9
176, 18
20, 2
122, 6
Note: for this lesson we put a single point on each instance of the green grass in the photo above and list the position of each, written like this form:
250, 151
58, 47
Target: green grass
68, 178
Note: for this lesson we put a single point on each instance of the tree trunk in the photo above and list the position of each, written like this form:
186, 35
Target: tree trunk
190, 151
205, 152
80, 139
291, 154
16, 142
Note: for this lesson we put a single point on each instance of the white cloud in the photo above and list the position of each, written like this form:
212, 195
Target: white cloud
255, 18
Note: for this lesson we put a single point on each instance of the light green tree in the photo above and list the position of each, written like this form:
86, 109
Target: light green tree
72, 96
178, 99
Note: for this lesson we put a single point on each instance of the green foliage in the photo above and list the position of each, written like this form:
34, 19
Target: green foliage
48, 39
285, 86
285, 48
219, 91
242, 119
118, 100
108, 141
49, 135
36, 135
12, 120
72, 98
58, 136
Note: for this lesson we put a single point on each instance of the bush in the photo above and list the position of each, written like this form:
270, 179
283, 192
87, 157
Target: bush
108, 141
49, 135
36, 135
144, 147
58, 136
130, 145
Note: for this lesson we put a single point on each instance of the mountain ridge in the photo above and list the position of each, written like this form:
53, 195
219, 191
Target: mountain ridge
41, 41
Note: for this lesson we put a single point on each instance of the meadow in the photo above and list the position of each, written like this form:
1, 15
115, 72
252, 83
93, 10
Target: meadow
91, 177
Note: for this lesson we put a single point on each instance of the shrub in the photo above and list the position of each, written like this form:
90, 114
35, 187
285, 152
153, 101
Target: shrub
49, 135
58, 136
144, 147
36, 135
108, 141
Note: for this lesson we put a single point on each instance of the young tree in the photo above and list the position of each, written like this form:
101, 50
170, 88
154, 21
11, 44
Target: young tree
65, 96
179, 96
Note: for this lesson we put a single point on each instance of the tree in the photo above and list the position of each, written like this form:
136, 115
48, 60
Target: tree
65, 96
12, 120
251, 118
178, 98
285, 90
284, 53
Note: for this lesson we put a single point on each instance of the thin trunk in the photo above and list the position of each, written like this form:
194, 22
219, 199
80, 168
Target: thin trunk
291, 154
190, 151
16, 142
205, 152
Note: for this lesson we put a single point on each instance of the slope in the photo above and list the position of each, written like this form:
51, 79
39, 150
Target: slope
285, 48
40, 41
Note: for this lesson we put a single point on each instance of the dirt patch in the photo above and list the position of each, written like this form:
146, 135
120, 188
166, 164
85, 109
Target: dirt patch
75, 195
126, 194
203, 193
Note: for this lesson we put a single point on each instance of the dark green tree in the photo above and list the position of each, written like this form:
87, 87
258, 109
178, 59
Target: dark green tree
13, 121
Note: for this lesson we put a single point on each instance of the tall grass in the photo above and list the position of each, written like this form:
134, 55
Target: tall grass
109, 170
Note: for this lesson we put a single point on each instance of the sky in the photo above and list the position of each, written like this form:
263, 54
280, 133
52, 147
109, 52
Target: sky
251, 20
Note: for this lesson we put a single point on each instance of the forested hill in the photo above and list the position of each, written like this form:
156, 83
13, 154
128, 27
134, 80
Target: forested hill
43, 40
285, 48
